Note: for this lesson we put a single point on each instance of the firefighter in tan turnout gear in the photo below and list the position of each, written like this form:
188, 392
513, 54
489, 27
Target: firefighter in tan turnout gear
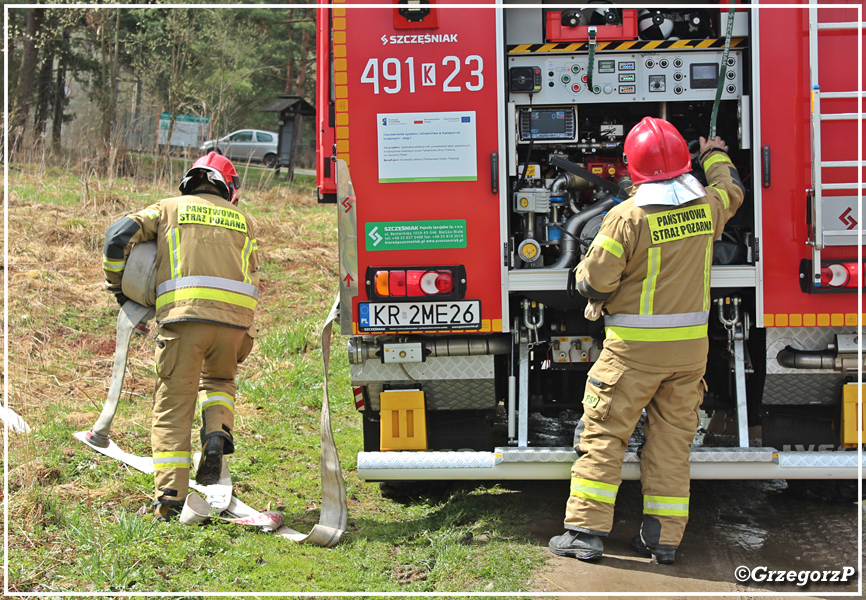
648, 271
206, 295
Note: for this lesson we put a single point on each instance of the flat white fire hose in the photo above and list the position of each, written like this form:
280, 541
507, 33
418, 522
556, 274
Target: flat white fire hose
333, 514
130, 316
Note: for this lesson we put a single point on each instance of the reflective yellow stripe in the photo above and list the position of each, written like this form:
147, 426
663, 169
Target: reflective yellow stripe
249, 246
726, 200
212, 403
174, 251
594, 490
151, 212
172, 460
666, 334
218, 399
672, 506
715, 158
708, 268
648, 290
199, 293
609, 244
113, 265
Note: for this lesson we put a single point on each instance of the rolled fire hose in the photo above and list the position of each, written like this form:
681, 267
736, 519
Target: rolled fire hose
334, 513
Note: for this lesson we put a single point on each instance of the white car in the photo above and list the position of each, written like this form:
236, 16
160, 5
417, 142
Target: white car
245, 145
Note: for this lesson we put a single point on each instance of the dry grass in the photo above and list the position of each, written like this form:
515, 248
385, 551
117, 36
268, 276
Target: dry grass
61, 321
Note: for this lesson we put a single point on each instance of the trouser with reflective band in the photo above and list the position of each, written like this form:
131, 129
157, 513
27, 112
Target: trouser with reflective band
191, 357
613, 400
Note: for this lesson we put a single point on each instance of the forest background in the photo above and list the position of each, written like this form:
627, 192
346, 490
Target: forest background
95, 80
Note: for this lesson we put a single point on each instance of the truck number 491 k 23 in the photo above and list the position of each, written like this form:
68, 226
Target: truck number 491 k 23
393, 77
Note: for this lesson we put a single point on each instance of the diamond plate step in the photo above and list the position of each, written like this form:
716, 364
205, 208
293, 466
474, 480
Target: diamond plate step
567, 454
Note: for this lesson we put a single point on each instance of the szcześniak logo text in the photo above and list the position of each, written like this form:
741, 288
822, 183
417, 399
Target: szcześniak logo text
427, 38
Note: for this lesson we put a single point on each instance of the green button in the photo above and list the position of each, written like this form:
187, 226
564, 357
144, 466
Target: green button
575, 68
566, 79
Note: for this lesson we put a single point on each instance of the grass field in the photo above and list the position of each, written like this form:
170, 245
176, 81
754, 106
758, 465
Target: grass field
80, 522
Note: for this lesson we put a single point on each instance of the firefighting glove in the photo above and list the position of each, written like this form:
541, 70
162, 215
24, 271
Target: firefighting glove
593, 309
121, 299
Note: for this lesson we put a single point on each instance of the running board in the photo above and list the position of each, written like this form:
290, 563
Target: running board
555, 463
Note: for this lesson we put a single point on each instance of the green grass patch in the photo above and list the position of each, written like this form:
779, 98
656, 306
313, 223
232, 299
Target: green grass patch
81, 523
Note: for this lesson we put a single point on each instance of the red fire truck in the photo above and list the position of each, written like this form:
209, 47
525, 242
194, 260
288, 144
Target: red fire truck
472, 154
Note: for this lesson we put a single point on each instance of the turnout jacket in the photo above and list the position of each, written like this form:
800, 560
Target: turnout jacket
206, 260
650, 265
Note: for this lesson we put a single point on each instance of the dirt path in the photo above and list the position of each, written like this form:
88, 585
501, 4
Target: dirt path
733, 523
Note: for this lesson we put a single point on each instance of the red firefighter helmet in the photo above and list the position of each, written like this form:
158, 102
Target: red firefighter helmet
655, 150
215, 169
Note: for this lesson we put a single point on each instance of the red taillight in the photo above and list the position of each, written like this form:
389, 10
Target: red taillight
413, 283
419, 282
839, 275
398, 283
444, 283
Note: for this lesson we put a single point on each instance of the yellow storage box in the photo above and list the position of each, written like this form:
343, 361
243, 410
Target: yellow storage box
849, 415
403, 420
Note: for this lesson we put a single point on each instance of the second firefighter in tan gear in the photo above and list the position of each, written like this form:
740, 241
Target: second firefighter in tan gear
649, 267
206, 295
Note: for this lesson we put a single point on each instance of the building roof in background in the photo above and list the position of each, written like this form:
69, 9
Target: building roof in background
296, 103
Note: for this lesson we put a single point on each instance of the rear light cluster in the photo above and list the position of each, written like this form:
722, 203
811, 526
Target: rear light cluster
839, 275
836, 276
416, 282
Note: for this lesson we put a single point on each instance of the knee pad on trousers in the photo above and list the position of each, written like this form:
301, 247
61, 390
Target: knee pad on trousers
229, 446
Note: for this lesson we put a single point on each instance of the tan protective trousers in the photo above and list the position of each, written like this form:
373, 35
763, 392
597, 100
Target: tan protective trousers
613, 400
193, 359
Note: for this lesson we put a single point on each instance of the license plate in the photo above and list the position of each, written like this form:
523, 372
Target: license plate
407, 316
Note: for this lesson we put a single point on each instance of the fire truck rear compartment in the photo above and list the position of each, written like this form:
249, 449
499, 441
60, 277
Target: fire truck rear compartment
506, 408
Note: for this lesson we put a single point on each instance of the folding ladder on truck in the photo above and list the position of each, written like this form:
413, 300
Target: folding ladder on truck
822, 234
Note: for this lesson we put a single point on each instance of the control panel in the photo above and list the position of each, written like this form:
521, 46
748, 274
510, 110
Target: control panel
644, 77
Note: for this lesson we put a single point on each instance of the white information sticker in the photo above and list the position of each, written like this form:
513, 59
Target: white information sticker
436, 146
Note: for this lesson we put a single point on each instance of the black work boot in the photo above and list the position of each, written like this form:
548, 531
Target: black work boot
209, 470
577, 544
648, 542
165, 512
663, 555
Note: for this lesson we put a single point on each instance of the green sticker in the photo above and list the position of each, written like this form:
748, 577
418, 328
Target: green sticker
590, 400
415, 235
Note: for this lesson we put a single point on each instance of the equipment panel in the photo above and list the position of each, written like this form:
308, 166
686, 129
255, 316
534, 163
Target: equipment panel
643, 77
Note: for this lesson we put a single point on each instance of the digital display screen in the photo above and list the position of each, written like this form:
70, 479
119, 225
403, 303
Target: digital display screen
606, 66
554, 123
626, 66
546, 121
704, 75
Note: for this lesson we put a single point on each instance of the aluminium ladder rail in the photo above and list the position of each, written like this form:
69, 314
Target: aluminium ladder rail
817, 234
